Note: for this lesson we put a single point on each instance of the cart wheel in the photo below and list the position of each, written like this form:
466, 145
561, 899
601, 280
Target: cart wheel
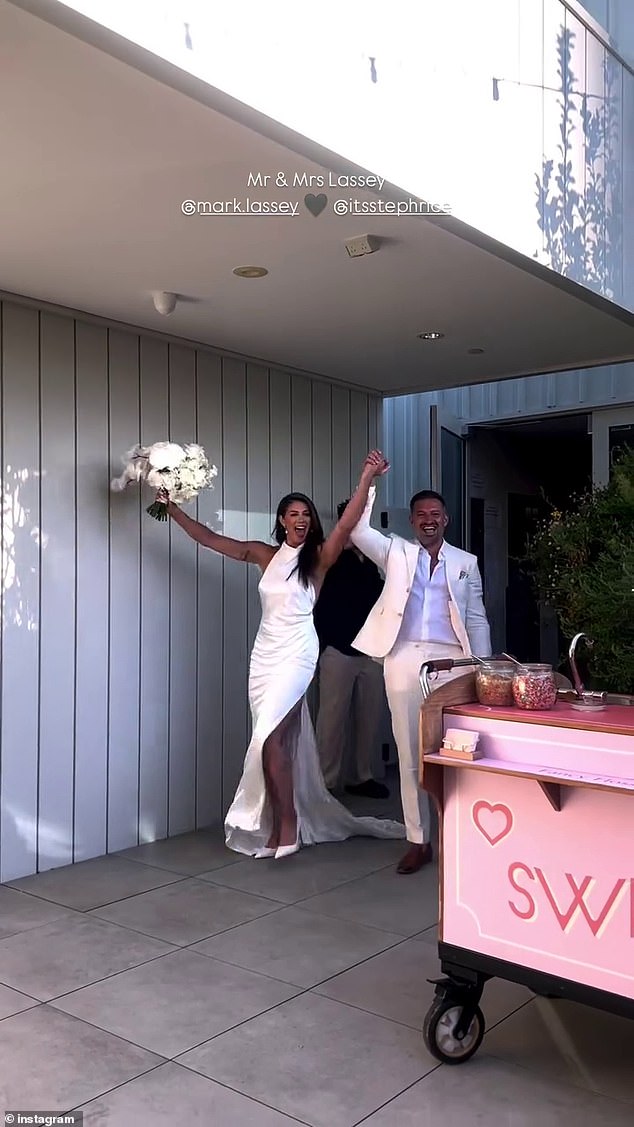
438, 1032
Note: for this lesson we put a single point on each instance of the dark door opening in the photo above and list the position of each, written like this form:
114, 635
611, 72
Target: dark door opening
525, 469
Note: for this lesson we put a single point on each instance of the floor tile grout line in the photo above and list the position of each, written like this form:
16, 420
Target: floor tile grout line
189, 946
178, 946
511, 1013
299, 988
340, 884
166, 868
118, 854
398, 1095
75, 867
626, 1104
108, 1033
86, 914
346, 919
335, 888
27, 1009
359, 923
183, 878
295, 985
244, 892
557, 1079
14, 887
105, 904
116, 1087
397, 1021
96, 982
178, 1063
301, 993
245, 1095
371, 1013
181, 1052
185, 1068
174, 1060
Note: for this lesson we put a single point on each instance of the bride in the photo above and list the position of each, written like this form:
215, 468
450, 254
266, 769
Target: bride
282, 802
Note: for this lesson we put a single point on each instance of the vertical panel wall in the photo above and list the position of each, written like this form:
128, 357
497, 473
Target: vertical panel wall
21, 620
124, 651
92, 619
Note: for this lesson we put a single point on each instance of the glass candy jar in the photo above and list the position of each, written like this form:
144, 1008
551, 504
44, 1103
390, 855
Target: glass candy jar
534, 687
494, 683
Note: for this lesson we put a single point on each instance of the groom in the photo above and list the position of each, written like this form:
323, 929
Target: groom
431, 607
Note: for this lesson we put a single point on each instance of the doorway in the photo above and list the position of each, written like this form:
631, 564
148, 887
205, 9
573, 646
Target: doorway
522, 470
448, 469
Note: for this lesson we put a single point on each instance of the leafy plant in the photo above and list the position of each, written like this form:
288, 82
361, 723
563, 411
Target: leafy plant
583, 566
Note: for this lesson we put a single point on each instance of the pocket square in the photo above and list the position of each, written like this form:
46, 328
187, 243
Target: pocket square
463, 575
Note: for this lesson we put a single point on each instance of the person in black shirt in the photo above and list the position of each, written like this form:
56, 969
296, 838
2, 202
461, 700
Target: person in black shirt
350, 683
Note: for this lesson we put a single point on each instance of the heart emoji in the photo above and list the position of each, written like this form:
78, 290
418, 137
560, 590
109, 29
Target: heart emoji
315, 204
493, 822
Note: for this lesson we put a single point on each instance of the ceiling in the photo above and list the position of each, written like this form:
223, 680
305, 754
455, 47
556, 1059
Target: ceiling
101, 144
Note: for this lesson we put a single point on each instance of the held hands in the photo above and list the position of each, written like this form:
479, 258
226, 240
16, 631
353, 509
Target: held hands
375, 465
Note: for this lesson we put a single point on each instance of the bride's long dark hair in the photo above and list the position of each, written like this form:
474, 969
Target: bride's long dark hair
309, 554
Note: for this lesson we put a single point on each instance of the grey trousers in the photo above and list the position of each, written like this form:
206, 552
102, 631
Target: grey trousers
351, 697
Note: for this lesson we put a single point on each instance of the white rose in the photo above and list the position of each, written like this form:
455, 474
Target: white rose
165, 455
193, 450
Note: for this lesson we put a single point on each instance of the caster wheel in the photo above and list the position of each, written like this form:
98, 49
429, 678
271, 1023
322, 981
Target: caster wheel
438, 1033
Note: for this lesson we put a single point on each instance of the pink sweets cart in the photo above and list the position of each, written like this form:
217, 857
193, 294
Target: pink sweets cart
536, 857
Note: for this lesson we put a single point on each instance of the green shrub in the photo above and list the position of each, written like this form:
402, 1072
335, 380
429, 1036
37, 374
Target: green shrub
583, 566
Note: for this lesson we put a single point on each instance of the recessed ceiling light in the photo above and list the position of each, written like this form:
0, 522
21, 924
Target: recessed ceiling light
475, 351
250, 271
431, 335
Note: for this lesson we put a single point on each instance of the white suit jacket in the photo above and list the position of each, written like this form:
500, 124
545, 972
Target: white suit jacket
398, 558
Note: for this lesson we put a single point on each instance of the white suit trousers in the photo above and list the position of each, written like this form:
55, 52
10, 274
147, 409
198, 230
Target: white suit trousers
350, 700
401, 669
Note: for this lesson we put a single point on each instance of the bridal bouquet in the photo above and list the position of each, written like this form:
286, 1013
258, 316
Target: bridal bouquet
180, 471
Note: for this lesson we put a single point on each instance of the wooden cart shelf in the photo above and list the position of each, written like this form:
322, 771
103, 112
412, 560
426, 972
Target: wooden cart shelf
550, 779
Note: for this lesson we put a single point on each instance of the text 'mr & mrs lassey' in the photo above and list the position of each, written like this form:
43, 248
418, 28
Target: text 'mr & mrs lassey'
314, 180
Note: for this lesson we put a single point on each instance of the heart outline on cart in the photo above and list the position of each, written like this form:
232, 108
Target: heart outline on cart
493, 838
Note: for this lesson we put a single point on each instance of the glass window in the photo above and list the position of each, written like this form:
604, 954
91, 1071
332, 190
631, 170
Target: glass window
620, 438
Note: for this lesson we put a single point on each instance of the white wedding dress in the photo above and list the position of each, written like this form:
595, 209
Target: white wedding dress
283, 663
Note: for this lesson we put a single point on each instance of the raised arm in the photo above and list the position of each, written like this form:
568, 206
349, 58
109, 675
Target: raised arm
368, 540
375, 465
248, 551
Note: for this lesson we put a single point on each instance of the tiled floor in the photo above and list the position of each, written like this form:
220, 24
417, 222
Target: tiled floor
178, 984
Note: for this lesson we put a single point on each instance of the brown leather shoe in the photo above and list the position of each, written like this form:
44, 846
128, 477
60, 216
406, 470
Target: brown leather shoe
415, 858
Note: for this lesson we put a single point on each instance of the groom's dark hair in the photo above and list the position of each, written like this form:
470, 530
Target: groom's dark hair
341, 508
427, 495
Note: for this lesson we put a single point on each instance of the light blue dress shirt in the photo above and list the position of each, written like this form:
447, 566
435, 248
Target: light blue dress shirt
426, 616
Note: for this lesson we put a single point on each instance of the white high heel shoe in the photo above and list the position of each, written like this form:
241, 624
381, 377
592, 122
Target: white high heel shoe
266, 852
287, 850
